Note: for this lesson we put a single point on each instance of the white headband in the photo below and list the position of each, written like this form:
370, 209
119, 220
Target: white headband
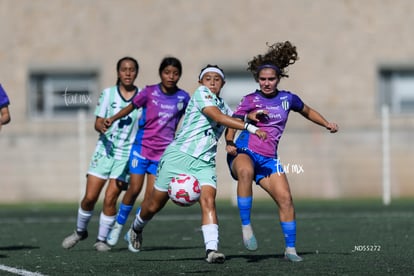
211, 69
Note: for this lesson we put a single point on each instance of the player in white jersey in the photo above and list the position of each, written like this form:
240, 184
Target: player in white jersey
162, 105
110, 159
193, 152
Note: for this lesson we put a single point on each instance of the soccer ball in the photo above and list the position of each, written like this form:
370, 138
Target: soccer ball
184, 190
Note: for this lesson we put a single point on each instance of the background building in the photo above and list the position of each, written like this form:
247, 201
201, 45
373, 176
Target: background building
355, 57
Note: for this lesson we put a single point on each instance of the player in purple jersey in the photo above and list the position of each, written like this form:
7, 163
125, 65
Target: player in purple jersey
251, 159
4, 107
193, 152
162, 105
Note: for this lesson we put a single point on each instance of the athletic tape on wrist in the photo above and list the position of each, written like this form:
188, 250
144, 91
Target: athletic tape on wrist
250, 128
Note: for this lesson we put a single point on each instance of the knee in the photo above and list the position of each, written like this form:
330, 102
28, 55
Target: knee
110, 200
245, 174
286, 203
88, 204
207, 203
150, 206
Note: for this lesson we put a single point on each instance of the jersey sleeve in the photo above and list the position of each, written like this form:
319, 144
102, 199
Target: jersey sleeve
4, 99
243, 108
297, 103
141, 98
203, 98
101, 107
186, 102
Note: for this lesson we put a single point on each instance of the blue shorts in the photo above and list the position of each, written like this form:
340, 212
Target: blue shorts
138, 164
263, 166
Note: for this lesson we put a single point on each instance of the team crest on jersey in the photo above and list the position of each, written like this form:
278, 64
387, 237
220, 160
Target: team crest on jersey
208, 97
180, 105
285, 105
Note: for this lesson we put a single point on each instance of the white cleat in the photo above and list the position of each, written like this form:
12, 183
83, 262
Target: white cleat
114, 233
291, 255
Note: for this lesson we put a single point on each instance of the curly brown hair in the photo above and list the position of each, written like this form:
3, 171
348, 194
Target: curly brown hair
280, 54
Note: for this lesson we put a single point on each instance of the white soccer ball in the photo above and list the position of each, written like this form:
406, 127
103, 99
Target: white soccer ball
184, 190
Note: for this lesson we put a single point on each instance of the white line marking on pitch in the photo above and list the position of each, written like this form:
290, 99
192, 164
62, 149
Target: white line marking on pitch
19, 271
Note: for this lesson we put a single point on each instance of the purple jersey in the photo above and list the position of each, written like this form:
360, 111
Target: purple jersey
4, 100
273, 123
161, 114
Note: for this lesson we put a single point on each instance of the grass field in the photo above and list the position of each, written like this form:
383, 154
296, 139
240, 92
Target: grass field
334, 238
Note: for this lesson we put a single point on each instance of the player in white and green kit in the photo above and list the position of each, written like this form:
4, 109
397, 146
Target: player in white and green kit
110, 159
193, 151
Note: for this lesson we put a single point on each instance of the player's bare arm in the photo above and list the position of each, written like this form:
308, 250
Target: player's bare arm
317, 118
215, 114
122, 113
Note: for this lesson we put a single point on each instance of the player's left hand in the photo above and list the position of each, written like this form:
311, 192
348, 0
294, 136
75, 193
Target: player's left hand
332, 127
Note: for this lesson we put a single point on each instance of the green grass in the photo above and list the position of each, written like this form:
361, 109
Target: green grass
360, 237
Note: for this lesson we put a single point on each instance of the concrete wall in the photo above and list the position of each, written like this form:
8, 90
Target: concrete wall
341, 45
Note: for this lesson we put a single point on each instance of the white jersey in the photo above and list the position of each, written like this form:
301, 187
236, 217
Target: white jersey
117, 140
199, 134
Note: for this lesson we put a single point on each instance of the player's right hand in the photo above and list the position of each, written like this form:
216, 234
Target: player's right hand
108, 122
255, 116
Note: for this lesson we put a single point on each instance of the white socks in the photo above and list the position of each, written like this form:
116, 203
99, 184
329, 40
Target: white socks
210, 234
83, 219
105, 224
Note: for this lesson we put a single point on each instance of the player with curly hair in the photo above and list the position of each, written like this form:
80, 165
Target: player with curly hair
252, 159
193, 152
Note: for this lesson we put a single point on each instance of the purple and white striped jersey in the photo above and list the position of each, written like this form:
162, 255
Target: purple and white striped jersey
273, 123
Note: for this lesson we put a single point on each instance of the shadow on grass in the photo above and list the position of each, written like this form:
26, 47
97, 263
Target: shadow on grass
249, 257
158, 248
17, 247
254, 258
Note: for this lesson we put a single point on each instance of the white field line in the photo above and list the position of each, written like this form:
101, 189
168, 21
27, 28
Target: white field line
19, 271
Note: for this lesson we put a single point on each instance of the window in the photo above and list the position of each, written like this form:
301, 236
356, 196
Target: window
238, 84
57, 95
397, 89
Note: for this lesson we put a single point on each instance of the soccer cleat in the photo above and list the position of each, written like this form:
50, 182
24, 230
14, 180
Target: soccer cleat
71, 240
291, 255
250, 244
126, 237
135, 240
214, 257
101, 246
114, 234
249, 240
